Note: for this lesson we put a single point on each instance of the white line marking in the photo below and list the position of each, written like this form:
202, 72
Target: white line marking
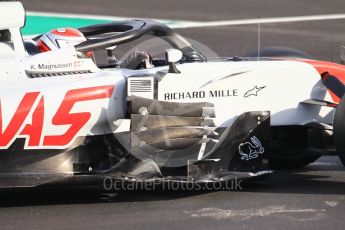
331, 203
267, 20
298, 214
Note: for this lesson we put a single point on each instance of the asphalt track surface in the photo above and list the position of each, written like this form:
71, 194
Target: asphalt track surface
310, 198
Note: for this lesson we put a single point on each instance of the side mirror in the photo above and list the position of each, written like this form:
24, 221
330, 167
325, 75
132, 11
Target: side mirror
111, 55
172, 56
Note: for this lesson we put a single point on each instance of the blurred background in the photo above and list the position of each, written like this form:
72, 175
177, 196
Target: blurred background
320, 37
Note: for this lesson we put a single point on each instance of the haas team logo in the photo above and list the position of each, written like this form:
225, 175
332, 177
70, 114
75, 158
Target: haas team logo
251, 150
29, 119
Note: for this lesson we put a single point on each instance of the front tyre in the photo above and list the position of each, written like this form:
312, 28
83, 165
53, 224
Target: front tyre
339, 130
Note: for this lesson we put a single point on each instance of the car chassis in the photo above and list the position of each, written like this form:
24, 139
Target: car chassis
64, 120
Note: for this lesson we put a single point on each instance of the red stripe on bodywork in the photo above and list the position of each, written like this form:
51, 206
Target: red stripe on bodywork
75, 120
328, 68
8, 133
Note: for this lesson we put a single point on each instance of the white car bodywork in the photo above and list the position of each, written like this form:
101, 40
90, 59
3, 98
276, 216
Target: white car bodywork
233, 87
62, 116
238, 87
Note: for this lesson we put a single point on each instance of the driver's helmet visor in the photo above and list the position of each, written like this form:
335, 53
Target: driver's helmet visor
65, 43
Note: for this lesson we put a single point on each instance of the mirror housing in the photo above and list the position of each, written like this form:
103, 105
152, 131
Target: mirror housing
172, 56
111, 55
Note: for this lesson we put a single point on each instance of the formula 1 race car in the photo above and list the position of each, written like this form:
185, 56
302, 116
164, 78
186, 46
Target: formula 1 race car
188, 118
